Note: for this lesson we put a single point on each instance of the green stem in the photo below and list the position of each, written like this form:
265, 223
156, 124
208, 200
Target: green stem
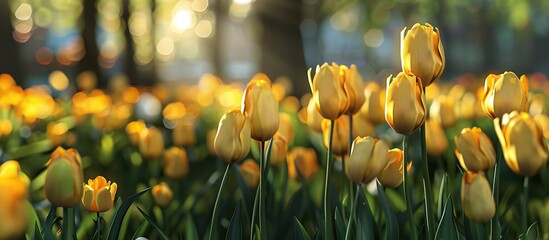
494, 226
214, 215
97, 234
262, 181
525, 204
351, 139
252, 223
428, 194
353, 210
406, 187
68, 223
327, 207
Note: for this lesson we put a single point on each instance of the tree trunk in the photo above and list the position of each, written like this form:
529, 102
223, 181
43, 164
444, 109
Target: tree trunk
9, 57
281, 43
129, 63
90, 60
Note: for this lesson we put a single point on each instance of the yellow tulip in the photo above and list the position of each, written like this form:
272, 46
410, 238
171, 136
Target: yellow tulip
476, 197
176, 163
184, 135
543, 122
260, 105
63, 185
286, 128
57, 133
340, 137
392, 174
421, 52
368, 158
232, 142
353, 86
442, 111
279, 149
99, 194
362, 127
13, 194
302, 162
151, 143
328, 91
474, 150
5, 128
133, 129
537, 104
374, 106
504, 93
162, 194
405, 103
435, 139
522, 142
311, 116
250, 173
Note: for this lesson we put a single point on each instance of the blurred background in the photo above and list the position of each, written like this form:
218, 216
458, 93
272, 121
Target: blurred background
148, 42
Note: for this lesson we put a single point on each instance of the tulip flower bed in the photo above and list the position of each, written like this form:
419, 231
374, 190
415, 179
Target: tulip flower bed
420, 158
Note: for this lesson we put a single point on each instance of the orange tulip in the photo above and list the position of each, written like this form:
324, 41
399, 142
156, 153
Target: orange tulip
302, 162
176, 163
99, 194
162, 194
13, 195
250, 172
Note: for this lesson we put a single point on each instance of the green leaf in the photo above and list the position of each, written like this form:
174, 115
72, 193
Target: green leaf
51, 219
191, 232
300, 232
37, 235
116, 221
136, 233
391, 230
153, 223
364, 218
234, 230
246, 193
339, 224
32, 218
30, 149
532, 233
446, 227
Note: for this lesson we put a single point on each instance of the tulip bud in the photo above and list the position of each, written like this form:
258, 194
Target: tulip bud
340, 136
391, 176
442, 111
133, 129
13, 194
522, 143
474, 150
99, 194
311, 116
151, 143
232, 142
405, 103
5, 127
368, 158
362, 127
250, 172
162, 194
176, 164
504, 93
435, 139
184, 135
543, 122
279, 149
57, 133
353, 86
537, 104
303, 162
286, 128
476, 197
328, 92
260, 105
421, 52
468, 105
63, 185
374, 106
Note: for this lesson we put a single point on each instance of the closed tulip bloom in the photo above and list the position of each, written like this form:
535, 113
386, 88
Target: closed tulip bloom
442, 111
522, 142
474, 150
63, 185
340, 137
279, 149
374, 107
543, 122
362, 127
353, 86
328, 91
184, 135
162, 194
232, 142
151, 143
99, 194
405, 103
436, 141
13, 195
421, 52
133, 129
302, 162
176, 163
312, 117
250, 173
368, 158
476, 197
392, 174
286, 128
504, 93
260, 105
